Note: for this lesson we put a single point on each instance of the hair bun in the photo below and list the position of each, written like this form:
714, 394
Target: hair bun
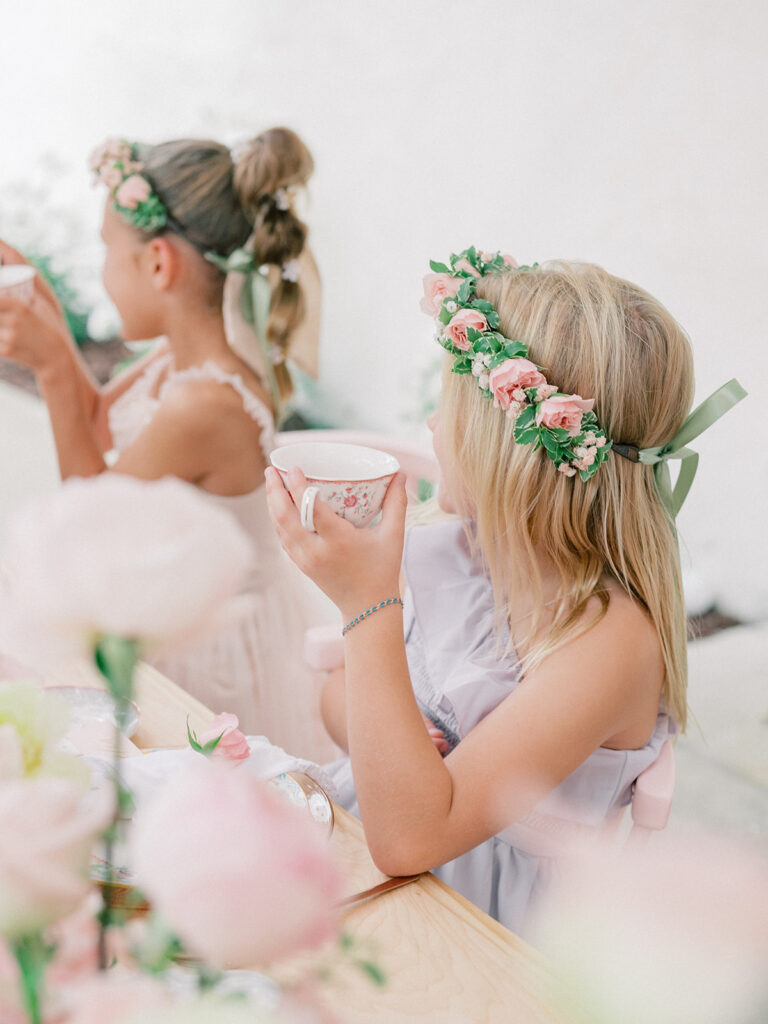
275, 159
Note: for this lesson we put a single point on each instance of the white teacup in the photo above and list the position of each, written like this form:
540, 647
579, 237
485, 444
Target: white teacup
18, 281
351, 478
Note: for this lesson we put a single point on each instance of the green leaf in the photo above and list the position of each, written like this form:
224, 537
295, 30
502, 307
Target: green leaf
373, 971
549, 442
483, 305
473, 335
116, 657
526, 418
527, 436
465, 288
515, 349
444, 316
493, 319
497, 359
439, 268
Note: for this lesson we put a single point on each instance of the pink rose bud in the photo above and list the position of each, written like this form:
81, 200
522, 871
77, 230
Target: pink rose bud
509, 261
465, 265
133, 191
563, 411
511, 376
233, 746
460, 322
436, 288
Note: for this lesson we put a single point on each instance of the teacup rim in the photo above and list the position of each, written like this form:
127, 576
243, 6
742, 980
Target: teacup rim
320, 478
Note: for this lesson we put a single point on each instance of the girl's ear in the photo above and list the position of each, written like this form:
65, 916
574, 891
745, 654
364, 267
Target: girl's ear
162, 262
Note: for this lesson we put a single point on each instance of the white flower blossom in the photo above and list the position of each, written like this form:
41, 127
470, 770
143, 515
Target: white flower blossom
291, 271
484, 381
451, 306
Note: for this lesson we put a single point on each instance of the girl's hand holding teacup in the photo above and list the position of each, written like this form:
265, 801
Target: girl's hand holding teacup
355, 567
32, 324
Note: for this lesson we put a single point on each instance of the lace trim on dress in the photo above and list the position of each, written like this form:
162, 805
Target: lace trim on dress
254, 406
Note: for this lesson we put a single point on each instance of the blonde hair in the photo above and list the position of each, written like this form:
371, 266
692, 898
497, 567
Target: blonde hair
602, 338
219, 205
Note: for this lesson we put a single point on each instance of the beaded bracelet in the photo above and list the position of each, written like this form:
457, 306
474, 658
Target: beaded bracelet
369, 611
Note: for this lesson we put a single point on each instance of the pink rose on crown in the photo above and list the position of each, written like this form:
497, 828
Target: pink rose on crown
436, 288
509, 261
513, 375
460, 322
133, 191
563, 411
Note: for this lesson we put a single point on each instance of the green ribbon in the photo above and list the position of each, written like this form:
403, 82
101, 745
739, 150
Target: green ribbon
255, 299
702, 417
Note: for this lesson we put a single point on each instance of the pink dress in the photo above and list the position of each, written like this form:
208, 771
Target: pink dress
254, 666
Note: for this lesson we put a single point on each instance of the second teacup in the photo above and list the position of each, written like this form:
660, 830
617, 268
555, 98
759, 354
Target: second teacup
351, 478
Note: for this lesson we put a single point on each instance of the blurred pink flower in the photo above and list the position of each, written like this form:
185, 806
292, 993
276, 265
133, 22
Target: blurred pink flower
153, 560
675, 931
48, 832
233, 746
241, 875
116, 996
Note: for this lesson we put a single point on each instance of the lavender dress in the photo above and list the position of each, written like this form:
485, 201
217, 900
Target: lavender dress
458, 679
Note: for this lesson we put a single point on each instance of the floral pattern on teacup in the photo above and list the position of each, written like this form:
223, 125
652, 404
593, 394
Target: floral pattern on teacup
358, 502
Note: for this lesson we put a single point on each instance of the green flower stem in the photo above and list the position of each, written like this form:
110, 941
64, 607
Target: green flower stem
115, 658
32, 955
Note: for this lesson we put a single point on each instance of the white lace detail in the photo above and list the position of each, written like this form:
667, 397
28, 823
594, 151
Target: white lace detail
254, 406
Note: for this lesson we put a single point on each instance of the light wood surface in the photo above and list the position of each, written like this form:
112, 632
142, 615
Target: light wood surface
444, 960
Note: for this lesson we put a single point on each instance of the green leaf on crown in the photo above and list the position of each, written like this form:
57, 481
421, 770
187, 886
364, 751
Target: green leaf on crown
463, 364
525, 419
439, 268
473, 335
493, 319
514, 349
462, 296
483, 305
550, 443
528, 436
497, 359
444, 316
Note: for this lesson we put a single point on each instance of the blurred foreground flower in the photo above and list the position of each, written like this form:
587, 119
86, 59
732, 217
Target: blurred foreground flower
113, 555
675, 933
48, 833
237, 872
32, 722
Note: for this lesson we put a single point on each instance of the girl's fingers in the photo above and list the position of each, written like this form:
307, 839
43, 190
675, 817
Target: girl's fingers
395, 503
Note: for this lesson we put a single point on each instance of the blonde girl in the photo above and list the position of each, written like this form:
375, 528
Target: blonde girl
542, 630
204, 250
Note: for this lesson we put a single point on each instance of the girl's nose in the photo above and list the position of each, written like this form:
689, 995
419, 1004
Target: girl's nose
432, 421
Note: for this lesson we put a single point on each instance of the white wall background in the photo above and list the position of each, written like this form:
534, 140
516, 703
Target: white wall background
629, 134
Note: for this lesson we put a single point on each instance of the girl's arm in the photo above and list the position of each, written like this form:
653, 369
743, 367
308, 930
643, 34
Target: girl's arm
333, 710
37, 336
419, 810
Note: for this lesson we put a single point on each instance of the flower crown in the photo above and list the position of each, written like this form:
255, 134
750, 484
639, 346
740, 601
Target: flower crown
563, 425
115, 165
